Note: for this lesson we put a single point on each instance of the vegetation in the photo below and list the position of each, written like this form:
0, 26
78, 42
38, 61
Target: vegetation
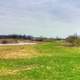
73, 40
14, 38
43, 61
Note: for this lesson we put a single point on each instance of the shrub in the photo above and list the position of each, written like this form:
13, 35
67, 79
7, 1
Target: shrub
73, 40
4, 42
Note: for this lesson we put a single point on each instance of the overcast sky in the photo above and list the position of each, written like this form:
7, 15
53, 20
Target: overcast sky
40, 17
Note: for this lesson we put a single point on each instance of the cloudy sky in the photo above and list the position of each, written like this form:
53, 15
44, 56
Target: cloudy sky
40, 17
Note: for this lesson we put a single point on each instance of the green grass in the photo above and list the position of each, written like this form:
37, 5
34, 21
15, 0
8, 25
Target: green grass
55, 62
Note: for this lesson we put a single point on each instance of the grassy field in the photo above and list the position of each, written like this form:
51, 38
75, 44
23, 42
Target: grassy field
45, 61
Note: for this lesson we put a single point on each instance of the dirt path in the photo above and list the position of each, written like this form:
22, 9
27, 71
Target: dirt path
17, 44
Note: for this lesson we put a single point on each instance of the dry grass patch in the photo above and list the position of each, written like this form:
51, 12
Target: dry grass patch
13, 52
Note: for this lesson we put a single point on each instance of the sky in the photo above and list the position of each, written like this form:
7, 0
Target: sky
50, 18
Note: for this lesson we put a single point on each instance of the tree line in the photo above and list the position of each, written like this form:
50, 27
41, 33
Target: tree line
72, 40
25, 37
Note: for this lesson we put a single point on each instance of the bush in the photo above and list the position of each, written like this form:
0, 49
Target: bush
73, 40
4, 42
